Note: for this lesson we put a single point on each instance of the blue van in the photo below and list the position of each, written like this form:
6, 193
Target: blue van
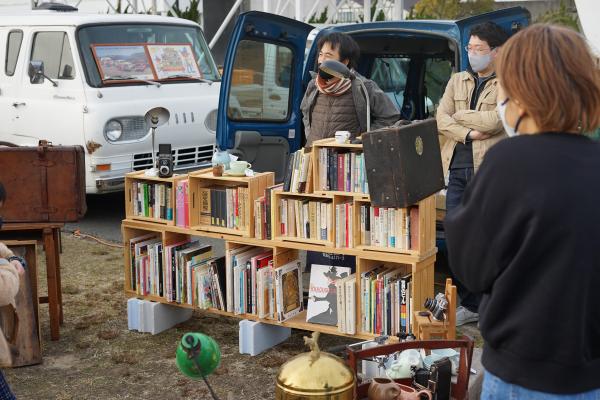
267, 68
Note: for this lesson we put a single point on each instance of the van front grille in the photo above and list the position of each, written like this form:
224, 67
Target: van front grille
182, 158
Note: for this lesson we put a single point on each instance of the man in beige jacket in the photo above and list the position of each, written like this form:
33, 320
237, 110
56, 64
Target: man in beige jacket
10, 271
468, 120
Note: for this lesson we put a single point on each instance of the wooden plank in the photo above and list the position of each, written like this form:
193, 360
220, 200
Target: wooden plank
25, 346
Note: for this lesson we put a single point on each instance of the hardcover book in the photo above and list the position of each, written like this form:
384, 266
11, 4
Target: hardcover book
322, 296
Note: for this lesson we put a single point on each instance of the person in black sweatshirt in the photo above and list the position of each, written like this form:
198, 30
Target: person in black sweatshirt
527, 232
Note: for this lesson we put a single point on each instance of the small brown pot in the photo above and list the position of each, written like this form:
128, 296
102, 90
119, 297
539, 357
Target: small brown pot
217, 170
410, 393
383, 389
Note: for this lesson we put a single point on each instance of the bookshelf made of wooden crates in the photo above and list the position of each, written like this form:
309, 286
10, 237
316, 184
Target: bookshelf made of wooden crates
236, 193
151, 199
417, 260
421, 271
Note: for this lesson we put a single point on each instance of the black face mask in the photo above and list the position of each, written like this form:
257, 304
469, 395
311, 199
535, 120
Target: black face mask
325, 75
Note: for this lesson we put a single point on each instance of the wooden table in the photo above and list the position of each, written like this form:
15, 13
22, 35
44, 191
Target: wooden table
49, 234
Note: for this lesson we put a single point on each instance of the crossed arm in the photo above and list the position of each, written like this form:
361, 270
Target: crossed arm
456, 125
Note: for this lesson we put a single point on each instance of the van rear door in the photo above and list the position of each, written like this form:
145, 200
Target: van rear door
261, 90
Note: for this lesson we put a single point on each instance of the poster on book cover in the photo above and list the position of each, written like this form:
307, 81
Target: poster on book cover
173, 60
322, 295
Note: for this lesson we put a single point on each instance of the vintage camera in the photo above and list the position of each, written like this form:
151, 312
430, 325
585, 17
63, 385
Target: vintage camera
165, 161
438, 379
437, 306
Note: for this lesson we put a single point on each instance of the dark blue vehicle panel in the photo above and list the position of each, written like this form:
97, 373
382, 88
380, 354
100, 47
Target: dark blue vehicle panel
291, 33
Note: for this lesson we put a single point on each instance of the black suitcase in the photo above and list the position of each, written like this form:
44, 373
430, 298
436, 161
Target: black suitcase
403, 164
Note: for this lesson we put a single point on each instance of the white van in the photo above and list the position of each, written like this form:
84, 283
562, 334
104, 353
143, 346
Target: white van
75, 105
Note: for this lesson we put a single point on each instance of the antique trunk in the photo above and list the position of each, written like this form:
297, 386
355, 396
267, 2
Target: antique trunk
43, 184
403, 164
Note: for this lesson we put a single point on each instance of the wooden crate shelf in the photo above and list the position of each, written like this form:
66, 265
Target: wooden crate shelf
418, 260
276, 222
331, 143
202, 180
132, 178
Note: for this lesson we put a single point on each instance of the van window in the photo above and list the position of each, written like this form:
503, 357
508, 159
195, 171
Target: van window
437, 75
260, 82
144, 33
13, 47
390, 74
54, 50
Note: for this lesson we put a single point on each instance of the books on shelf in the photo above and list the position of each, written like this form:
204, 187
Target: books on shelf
146, 264
208, 284
182, 206
262, 213
341, 170
322, 307
305, 218
298, 172
225, 207
386, 301
182, 259
346, 299
152, 200
288, 290
388, 227
248, 271
344, 225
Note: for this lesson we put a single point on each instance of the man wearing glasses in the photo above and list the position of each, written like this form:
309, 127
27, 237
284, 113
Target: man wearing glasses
469, 122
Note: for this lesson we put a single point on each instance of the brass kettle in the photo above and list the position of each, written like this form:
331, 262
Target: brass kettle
315, 375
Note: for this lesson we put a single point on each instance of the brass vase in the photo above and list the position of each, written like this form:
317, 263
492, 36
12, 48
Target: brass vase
315, 375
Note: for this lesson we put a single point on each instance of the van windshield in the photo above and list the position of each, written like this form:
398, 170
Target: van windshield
137, 53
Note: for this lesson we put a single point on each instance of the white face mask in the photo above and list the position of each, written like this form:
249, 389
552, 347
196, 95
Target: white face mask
479, 62
510, 131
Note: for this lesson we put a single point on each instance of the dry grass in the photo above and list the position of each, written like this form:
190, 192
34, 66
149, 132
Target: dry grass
97, 357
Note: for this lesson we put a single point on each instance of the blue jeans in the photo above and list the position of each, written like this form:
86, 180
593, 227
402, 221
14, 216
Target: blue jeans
457, 183
495, 388
5, 393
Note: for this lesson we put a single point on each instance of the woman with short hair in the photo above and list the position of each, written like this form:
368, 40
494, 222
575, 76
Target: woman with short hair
527, 233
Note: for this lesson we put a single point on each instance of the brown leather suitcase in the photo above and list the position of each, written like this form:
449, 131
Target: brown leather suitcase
43, 184
403, 164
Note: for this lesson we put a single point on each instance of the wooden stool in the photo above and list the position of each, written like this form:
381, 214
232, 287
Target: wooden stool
425, 327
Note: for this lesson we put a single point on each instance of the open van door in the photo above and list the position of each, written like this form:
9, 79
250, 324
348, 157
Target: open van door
511, 19
261, 89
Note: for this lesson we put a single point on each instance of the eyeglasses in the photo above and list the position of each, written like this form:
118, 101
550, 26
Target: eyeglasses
478, 50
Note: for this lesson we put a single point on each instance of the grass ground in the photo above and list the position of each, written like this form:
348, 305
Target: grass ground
97, 357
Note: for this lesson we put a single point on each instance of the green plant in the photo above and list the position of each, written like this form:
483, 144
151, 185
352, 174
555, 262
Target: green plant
561, 16
449, 9
191, 12
321, 19
118, 10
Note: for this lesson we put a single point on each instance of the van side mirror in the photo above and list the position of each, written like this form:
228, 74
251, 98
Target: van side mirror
36, 73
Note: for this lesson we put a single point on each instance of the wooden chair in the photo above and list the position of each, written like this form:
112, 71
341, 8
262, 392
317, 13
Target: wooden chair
425, 327
459, 389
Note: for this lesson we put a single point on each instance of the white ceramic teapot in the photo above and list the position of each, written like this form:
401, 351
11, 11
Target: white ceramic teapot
405, 365
221, 157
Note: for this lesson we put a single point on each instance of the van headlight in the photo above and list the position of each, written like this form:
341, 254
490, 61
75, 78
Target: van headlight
210, 122
113, 130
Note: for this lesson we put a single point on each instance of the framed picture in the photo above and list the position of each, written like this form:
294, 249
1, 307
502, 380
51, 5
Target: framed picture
128, 61
173, 60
